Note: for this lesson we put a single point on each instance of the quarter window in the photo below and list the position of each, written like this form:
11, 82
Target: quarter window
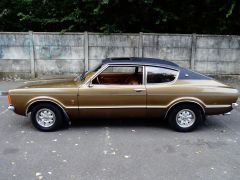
160, 75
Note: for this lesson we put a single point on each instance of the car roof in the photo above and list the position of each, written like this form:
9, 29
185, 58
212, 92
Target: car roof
140, 61
183, 75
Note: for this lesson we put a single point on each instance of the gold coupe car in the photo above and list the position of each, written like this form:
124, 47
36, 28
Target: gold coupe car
123, 88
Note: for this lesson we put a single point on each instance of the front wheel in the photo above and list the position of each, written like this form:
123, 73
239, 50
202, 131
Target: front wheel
185, 118
46, 117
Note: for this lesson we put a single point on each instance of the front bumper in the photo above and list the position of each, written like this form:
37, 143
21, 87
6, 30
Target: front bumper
11, 108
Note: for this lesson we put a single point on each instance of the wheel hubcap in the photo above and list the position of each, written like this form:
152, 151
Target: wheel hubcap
185, 118
45, 117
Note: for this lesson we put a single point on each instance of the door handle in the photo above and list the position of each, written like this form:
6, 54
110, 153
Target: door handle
139, 90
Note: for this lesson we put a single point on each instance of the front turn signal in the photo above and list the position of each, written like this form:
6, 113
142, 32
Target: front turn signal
9, 100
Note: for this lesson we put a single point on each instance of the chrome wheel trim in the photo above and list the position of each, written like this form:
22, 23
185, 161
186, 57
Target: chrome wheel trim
185, 118
45, 117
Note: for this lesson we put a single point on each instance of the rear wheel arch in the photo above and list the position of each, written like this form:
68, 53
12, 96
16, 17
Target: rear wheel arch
194, 103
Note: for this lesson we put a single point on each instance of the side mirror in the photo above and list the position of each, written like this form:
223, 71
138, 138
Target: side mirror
90, 84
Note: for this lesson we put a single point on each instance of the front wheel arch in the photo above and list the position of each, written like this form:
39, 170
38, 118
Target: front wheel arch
35, 103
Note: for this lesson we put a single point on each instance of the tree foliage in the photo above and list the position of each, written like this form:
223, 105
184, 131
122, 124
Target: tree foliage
160, 16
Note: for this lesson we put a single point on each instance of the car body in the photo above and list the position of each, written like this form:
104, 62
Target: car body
123, 88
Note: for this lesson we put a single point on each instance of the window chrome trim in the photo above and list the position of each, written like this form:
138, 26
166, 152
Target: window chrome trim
147, 64
113, 65
104, 66
164, 83
96, 74
144, 76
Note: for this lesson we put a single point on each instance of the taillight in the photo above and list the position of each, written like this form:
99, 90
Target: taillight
9, 100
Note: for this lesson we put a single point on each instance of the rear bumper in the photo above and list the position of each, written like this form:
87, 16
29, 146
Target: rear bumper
235, 105
11, 108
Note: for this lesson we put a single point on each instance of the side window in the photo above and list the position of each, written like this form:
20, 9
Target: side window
121, 75
160, 75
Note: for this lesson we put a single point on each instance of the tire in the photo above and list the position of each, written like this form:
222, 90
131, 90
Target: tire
185, 117
46, 117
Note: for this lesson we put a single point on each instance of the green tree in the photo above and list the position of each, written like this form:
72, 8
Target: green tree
160, 16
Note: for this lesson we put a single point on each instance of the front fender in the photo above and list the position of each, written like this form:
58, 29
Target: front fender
43, 99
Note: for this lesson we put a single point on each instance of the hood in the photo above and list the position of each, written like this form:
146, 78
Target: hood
54, 82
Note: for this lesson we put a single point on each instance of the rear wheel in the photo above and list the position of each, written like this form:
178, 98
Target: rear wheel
46, 117
185, 117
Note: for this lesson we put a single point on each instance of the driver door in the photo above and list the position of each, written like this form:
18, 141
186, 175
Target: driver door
116, 91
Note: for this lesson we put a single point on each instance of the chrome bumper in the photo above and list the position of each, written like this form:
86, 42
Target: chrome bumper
234, 105
11, 108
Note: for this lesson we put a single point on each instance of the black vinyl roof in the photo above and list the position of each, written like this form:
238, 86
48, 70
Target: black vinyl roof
184, 73
141, 61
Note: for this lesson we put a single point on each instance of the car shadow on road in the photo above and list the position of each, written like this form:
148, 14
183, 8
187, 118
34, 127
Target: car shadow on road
211, 123
120, 123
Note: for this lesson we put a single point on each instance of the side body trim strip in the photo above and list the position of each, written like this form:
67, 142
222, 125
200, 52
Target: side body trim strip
122, 94
218, 106
147, 107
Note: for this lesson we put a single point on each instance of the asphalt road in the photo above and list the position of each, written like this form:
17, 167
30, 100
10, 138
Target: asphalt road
119, 149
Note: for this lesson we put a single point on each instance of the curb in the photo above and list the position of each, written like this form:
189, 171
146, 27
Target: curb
3, 93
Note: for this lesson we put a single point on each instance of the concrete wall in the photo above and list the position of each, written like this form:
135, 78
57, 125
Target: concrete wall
29, 54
